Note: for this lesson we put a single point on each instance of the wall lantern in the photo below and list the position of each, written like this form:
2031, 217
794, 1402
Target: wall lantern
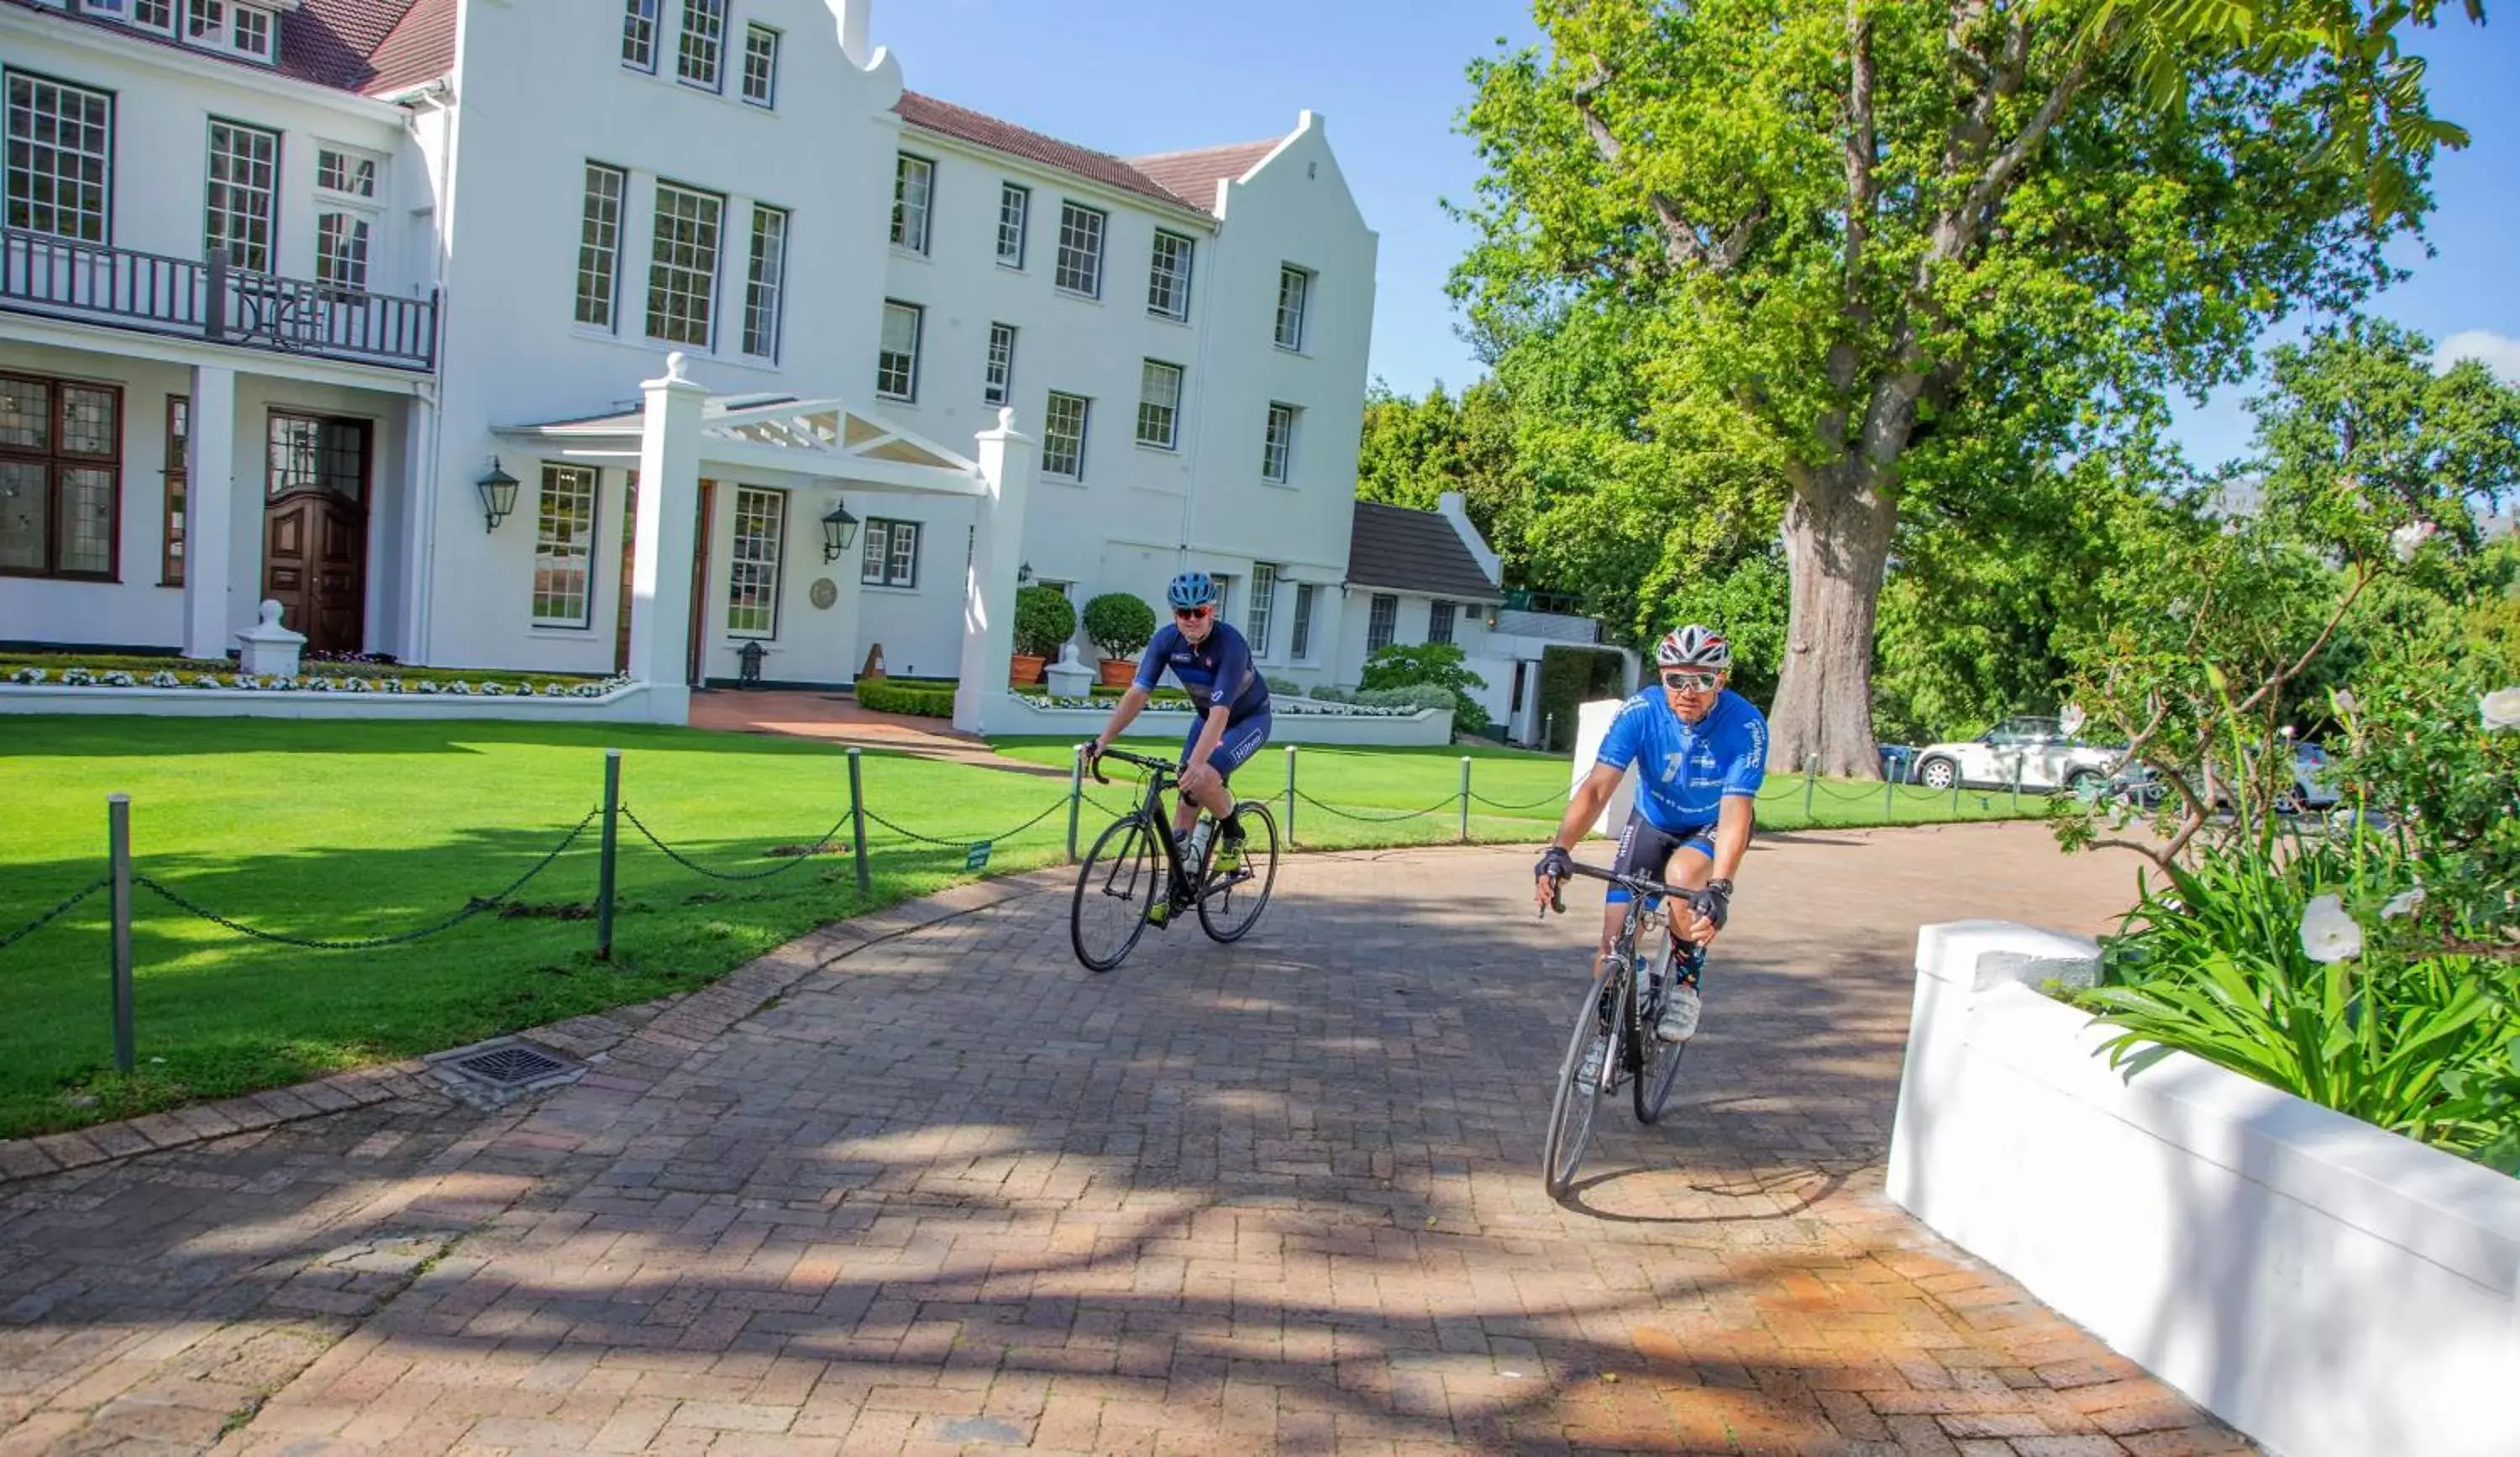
839, 528
498, 493
1023, 573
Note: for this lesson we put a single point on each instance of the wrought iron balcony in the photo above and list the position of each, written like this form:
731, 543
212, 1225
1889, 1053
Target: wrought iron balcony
122, 287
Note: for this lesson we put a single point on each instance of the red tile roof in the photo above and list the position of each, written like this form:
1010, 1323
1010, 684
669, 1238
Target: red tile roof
420, 48
1192, 176
1187, 168
331, 43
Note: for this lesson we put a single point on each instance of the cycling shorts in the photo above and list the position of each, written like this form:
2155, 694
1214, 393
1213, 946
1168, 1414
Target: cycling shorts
1646, 849
1241, 740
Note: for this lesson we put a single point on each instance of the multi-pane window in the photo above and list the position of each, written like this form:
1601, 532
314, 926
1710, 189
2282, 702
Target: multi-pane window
896, 359
309, 453
1300, 644
1264, 603
765, 282
157, 15
1015, 214
682, 271
1294, 295
913, 183
1382, 620
1439, 621
703, 46
753, 568
1159, 390
341, 172
998, 383
564, 548
599, 244
1224, 595
250, 32
1062, 436
1168, 277
178, 472
890, 557
1277, 444
61, 158
1080, 250
761, 65
205, 20
60, 471
638, 35
341, 250
245, 165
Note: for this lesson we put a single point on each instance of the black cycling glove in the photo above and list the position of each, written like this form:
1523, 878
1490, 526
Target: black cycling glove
1715, 903
1556, 865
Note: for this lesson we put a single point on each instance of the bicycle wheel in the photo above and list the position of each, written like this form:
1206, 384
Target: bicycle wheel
1657, 1060
1229, 905
1594, 1040
1119, 880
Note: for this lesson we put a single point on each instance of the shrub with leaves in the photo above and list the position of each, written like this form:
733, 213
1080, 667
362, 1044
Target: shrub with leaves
1436, 665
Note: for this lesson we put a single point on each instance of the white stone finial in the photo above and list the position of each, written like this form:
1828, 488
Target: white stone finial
674, 369
270, 612
1007, 418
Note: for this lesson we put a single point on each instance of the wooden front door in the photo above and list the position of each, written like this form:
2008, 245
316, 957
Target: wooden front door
701, 538
315, 530
629, 569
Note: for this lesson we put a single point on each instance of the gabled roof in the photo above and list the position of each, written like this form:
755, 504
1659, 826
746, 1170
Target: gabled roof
1184, 179
346, 45
420, 48
1414, 551
1192, 176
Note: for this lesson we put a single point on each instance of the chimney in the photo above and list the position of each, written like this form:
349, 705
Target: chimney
853, 29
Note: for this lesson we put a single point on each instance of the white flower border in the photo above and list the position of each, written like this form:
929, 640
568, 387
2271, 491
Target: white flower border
80, 677
1297, 707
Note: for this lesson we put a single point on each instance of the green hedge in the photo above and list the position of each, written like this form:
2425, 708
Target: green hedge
1571, 675
883, 696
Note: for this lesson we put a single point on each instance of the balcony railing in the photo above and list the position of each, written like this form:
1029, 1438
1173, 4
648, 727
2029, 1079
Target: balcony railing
122, 287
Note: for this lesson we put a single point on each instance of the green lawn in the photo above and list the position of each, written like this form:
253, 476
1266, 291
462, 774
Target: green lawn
341, 830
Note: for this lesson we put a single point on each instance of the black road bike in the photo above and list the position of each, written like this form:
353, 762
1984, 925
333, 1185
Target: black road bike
1136, 876
1613, 1043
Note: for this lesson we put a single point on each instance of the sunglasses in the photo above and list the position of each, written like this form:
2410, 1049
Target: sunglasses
1189, 613
1689, 682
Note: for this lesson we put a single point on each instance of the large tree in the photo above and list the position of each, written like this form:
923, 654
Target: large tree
1885, 253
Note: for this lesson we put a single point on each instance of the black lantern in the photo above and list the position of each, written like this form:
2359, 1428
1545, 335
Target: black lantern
747, 673
839, 528
498, 493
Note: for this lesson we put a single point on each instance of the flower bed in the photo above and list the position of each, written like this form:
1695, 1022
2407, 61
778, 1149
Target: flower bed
1277, 707
487, 687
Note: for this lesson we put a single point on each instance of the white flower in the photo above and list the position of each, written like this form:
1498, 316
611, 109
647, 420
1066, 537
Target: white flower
2409, 539
28, 675
2403, 903
205, 681
2329, 935
2071, 720
2501, 709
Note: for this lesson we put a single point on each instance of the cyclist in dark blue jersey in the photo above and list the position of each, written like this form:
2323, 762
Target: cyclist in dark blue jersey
1700, 751
1229, 719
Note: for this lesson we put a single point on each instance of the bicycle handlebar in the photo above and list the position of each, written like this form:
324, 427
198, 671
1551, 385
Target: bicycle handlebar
1636, 884
1160, 766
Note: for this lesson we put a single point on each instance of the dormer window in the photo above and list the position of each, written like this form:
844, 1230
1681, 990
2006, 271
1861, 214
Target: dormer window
155, 15
249, 31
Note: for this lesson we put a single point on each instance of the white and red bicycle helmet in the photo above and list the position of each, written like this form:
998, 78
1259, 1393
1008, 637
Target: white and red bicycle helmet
1694, 647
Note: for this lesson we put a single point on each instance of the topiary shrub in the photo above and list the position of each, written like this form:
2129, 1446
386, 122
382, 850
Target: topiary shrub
1433, 664
1283, 687
1119, 625
891, 696
1044, 620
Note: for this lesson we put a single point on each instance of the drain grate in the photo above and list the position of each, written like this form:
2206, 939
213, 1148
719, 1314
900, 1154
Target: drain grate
510, 1067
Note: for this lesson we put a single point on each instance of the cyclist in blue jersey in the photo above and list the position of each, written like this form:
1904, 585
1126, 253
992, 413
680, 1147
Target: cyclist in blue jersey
1700, 750
1230, 705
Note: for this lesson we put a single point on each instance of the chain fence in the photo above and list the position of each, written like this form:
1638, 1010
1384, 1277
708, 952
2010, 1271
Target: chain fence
55, 914
803, 855
969, 839
1449, 801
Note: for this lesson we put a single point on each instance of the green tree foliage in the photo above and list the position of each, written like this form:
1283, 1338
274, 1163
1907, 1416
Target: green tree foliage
1435, 666
1414, 450
1045, 619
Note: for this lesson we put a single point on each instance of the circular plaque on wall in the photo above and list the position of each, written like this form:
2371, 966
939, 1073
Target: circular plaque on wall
822, 594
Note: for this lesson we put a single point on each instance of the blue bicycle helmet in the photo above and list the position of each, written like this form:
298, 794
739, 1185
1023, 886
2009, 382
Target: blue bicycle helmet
1191, 589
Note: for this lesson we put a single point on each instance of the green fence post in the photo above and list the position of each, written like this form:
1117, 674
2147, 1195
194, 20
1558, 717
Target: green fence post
118, 845
1889, 791
604, 878
1810, 777
2016, 784
856, 825
1290, 797
1465, 799
1075, 796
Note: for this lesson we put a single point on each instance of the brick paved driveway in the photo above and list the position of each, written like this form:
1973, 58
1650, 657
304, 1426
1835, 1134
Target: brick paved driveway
945, 1190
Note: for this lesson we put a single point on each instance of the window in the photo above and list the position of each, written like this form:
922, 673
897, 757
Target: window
1062, 436
341, 250
639, 35
1301, 645
682, 274
61, 158
307, 453
892, 555
763, 284
913, 183
1294, 292
1278, 445
564, 548
1264, 602
761, 65
752, 569
703, 47
179, 432
157, 15
341, 172
242, 29
896, 360
1080, 250
61, 474
1224, 594
997, 384
250, 34
1015, 211
205, 20
1168, 278
1159, 390
599, 244
245, 161
1379, 620
1439, 621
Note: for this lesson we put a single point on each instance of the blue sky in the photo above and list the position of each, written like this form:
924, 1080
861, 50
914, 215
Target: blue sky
1131, 77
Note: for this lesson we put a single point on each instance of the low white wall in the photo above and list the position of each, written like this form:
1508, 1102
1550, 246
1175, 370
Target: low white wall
2329, 1289
1423, 727
635, 704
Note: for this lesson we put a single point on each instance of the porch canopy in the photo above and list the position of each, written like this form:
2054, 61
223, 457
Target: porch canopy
683, 433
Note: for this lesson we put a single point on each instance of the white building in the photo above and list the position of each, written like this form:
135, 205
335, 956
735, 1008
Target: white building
285, 283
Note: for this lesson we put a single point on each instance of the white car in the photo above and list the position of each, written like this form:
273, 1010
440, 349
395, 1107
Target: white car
2039, 750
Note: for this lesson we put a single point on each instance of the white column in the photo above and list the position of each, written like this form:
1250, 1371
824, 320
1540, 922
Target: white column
210, 506
660, 568
417, 534
1005, 459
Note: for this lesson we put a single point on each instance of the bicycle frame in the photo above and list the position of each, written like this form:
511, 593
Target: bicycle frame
1163, 775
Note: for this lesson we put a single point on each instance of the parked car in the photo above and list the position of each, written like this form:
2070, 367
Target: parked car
2313, 787
2036, 750
1896, 760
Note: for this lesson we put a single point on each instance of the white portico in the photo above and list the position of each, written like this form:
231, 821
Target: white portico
698, 586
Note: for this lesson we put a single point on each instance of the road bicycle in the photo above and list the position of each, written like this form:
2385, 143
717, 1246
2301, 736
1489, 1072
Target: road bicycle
1136, 874
1613, 1044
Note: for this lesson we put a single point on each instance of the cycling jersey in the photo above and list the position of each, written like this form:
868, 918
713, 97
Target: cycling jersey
1216, 674
1685, 771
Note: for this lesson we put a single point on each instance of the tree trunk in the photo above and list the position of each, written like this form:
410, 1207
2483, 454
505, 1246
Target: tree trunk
1837, 546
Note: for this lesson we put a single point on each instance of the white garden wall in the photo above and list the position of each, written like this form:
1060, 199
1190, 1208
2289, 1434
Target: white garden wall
2330, 1289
